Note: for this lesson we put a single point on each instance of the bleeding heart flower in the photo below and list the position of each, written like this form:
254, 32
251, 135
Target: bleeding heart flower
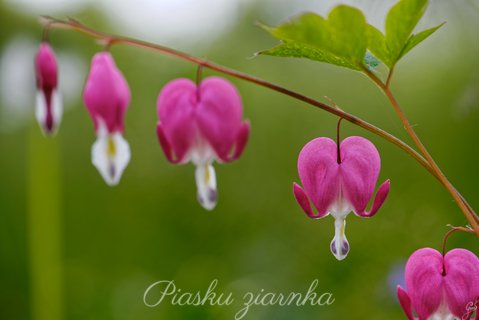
441, 288
202, 124
49, 108
338, 180
107, 97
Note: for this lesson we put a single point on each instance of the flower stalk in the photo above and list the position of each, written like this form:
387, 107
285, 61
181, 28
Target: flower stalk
461, 202
423, 157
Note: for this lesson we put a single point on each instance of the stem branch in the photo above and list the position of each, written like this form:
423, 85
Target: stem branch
424, 160
461, 202
446, 237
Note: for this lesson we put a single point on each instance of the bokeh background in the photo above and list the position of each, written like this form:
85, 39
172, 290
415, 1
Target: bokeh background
73, 248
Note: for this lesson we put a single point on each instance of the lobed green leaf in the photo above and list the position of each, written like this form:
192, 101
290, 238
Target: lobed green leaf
299, 50
341, 39
416, 39
400, 23
345, 39
378, 46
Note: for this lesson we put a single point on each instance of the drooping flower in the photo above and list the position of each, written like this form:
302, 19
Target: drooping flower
441, 287
107, 97
49, 108
202, 124
338, 180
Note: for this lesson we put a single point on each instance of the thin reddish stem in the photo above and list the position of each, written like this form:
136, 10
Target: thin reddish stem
446, 236
425, 159
77, 26
338, 140
461, 202
199, 78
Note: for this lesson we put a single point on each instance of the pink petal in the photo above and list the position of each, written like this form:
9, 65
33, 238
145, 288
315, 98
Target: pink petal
381, 196
360, 165
165, 144
424, 281
303, 201
219, 114
106, 93
241, 139
46, 68
176, 108
405, 302
318, 171
240, 143
461, 280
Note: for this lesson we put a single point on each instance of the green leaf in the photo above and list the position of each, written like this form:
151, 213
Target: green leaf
416, 39
378, 46
400, 23
299, 50
341, 39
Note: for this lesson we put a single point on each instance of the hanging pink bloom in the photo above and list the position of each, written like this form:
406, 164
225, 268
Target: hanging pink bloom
442, 288
339, 180
202, 124
49, 108
107, 97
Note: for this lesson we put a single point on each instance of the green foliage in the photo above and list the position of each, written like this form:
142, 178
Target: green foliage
377, 45
344, 38
341, 39
416, 39
400, 22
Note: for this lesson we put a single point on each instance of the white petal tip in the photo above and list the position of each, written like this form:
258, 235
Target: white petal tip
49, 116
209, 200
340, 245
110, 155
205, 177
340, 249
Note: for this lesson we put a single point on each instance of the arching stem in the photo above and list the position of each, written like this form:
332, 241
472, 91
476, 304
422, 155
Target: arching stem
424, 158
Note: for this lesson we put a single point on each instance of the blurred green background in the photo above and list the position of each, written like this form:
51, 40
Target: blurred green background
73, 248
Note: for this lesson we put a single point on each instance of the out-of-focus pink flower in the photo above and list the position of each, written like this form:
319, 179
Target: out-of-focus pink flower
202, 124
338, 180
49, 108
107, 97
441, 287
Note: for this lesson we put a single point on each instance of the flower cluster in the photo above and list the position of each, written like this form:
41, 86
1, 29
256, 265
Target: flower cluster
203, 123
199, 123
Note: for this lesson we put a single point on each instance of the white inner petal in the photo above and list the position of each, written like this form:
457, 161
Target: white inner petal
341, 207
339, 210
443, 317
443, 313
110, 155
206, 185
57, 109
340, 244
202, 153
41, 109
